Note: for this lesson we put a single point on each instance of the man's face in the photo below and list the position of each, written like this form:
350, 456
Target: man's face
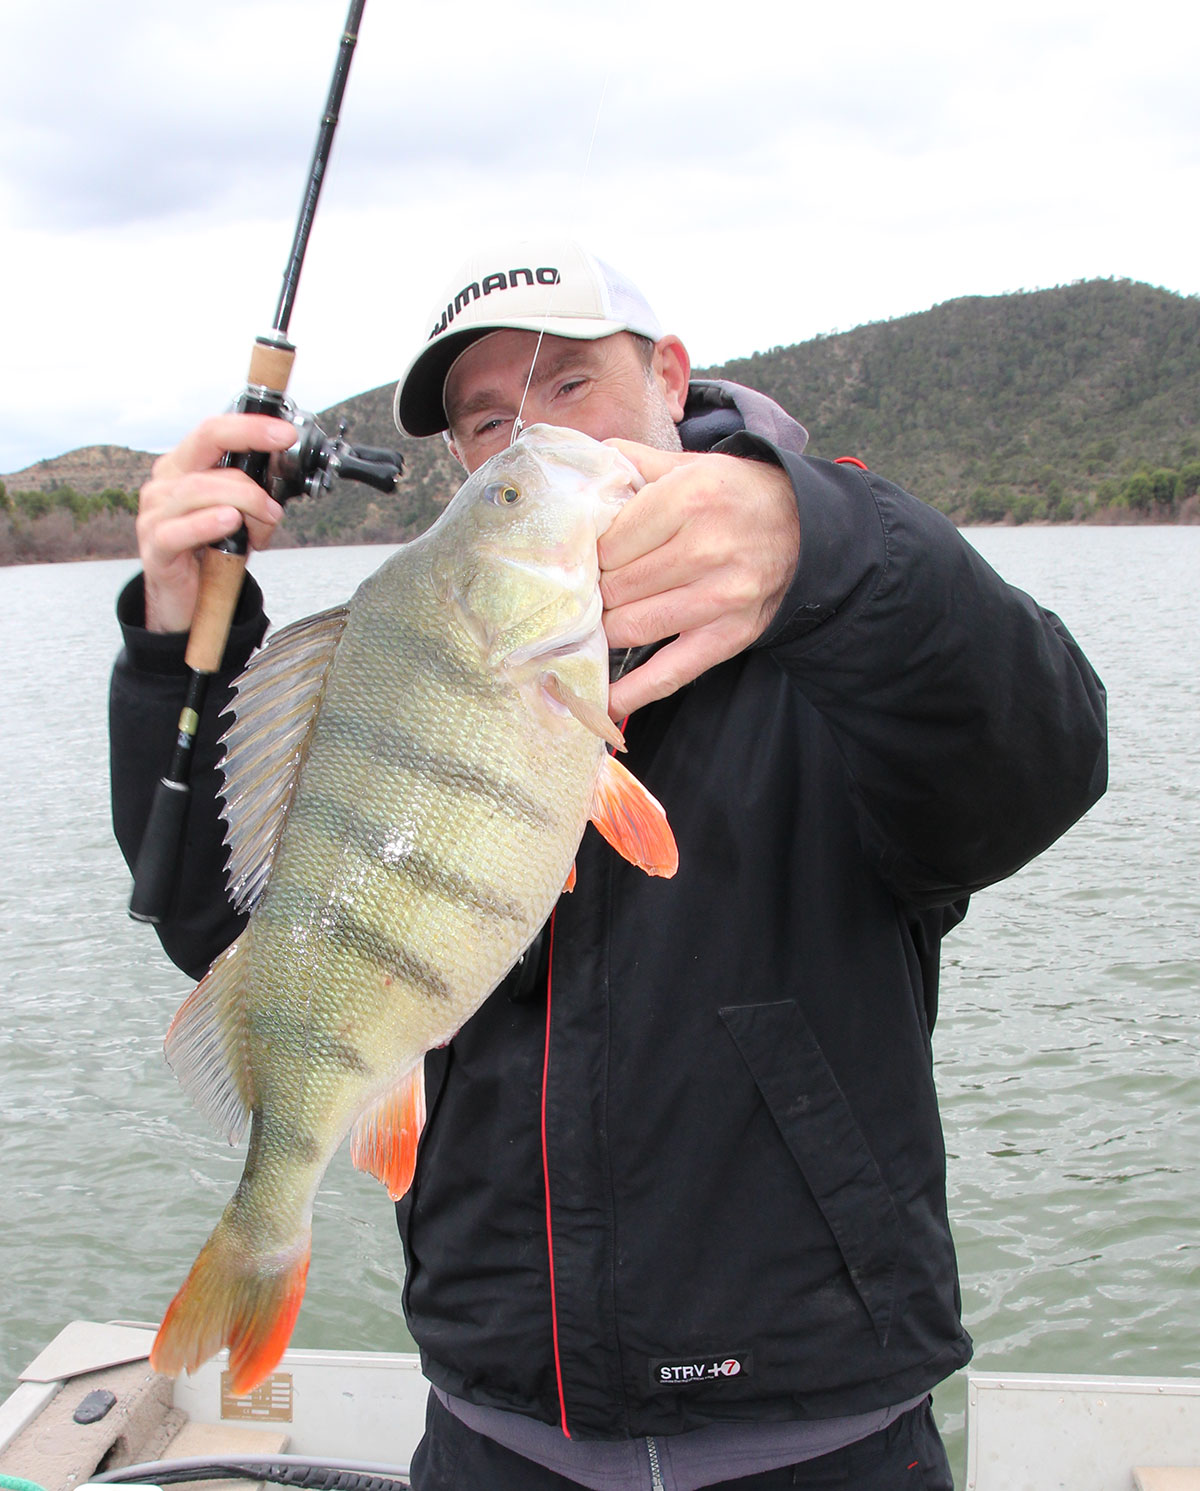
602, 388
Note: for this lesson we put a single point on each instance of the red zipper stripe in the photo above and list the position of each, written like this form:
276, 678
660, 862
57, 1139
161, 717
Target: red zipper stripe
562, 1401
562, 1398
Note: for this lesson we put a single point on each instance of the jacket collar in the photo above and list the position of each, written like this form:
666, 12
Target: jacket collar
716, 409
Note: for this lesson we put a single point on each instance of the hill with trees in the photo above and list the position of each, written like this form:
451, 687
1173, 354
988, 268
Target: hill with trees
1046, 404
1076, 404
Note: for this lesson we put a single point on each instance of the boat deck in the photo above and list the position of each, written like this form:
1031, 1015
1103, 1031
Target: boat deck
1025, 1431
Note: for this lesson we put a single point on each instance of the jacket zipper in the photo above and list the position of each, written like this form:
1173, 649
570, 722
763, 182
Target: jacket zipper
558, 1373
562, 1401
656, 1481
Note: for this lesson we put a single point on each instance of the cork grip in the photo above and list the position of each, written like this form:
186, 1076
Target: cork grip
220, 585
271, 366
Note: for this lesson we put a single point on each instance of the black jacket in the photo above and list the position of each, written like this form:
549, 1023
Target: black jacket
686, 1165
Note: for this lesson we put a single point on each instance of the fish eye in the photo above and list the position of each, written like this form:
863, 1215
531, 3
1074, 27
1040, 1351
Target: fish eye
502, 493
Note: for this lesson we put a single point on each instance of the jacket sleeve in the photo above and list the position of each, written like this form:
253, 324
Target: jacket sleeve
971, 724
145, 697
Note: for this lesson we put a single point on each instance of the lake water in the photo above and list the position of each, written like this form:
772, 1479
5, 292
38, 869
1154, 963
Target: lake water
1066, 1050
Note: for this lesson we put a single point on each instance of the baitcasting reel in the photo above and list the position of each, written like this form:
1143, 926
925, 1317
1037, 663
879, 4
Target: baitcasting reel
307, 468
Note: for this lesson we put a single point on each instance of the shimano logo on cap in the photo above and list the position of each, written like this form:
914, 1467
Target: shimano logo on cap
498, 280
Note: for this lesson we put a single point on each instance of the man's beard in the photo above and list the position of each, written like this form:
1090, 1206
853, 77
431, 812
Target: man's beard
661, 431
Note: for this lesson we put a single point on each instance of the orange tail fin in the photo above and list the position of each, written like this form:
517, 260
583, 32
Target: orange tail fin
227, 1301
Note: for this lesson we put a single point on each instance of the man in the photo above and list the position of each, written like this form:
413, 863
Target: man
679, 1214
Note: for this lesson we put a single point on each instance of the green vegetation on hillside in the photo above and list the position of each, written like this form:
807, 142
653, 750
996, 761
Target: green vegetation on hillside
1043, 404
1163, 493
61, 523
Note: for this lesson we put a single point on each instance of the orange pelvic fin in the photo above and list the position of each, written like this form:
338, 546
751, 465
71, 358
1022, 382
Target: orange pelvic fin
384, 1140
231, 1300
633, 821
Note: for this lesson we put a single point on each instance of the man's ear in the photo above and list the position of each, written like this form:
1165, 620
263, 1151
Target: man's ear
672, 368
448, 438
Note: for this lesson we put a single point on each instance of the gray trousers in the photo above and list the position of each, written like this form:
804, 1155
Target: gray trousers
906, 1456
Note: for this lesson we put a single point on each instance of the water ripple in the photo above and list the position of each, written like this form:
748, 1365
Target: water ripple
1066, 1049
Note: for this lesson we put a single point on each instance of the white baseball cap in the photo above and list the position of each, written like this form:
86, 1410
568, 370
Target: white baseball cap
550, 285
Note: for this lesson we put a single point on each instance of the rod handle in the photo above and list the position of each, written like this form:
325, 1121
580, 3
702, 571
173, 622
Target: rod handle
221, 574
157, 867
271, 360
223, 564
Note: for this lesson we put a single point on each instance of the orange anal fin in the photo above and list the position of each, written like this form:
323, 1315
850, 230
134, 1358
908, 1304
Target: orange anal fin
571, 878
589, 715
227, 1301
633, 821
384, 1140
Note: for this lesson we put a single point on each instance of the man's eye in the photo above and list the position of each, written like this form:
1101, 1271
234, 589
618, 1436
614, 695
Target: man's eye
571, 385
490, 426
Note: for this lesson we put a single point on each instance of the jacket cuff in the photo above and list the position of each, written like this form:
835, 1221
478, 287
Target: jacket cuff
163, 652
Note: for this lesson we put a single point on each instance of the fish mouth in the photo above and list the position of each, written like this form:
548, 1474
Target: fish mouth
611, 477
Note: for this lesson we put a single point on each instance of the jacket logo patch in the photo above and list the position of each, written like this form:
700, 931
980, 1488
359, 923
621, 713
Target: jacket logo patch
687, 1371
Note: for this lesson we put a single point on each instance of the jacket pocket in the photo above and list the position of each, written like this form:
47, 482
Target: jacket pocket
823, 1136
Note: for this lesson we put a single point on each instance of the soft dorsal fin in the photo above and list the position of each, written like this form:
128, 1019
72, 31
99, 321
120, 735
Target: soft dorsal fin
274, 708
384, 1140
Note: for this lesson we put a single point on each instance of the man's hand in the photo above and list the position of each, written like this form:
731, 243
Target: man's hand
190, 501
703, 553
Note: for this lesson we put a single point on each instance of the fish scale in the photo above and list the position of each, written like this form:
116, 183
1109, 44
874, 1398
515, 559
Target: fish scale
407, 781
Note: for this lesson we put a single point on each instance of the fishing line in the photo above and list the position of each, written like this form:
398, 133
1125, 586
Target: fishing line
518, 423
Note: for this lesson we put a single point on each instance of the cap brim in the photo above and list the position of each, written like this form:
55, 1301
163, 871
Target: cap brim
418, 408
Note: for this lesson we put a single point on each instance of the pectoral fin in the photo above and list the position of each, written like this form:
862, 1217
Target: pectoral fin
633, 821
589, 715
384, 1140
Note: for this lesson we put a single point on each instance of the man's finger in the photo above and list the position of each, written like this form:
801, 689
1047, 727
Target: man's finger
214, 486
668, 613
651, 462
644, 524
210, 441
190, 531
669, 669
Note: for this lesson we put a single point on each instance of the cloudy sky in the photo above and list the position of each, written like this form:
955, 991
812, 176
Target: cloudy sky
765, 170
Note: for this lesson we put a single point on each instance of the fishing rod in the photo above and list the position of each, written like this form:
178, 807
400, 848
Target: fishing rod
307, 468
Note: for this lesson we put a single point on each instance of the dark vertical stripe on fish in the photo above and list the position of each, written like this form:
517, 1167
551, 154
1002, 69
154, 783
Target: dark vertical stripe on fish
342, 823
386, 741
388, 633
293, 906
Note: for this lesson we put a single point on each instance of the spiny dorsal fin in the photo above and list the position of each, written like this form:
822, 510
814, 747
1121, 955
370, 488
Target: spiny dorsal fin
276, 702
384, 1140
205, 1044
